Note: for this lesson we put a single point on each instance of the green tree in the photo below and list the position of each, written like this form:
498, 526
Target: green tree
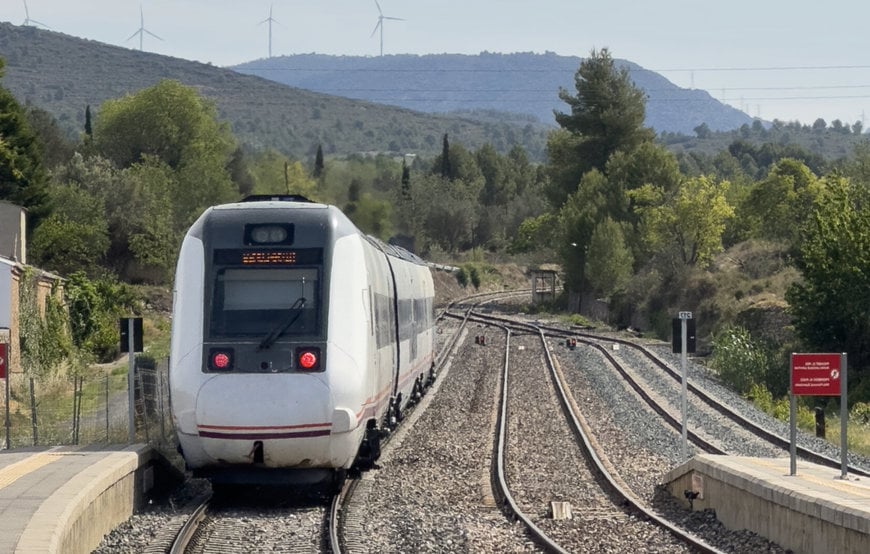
152, 238
372, 216
443, 212
687, 225
89, 129
496, 189
55, 147
274, 173
171, 123
609, 260
318, 162
606, 115
444, 161
830, 305
534, 234
406, 179
776, 207
75, 237
577, 221
22, 176
627, 170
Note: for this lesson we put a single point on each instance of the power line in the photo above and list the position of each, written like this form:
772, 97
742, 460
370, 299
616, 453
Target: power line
768, 68
551, 70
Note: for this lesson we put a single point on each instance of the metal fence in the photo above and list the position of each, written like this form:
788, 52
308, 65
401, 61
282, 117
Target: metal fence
88, 410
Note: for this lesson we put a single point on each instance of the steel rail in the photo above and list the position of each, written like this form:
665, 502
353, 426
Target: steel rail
188, 530
500, 482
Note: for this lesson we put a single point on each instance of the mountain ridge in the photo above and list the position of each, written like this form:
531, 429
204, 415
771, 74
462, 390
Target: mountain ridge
62, 75
523, 83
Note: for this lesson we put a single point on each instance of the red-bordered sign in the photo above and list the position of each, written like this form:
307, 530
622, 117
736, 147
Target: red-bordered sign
3, 361
815, 374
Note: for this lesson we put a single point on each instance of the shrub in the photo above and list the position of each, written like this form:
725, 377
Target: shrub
475, 275
462, 276
860, 413
740, 361
94, 308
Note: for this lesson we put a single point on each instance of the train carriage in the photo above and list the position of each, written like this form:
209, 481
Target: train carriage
296, 341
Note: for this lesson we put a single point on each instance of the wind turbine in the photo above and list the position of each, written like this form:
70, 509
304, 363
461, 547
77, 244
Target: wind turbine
380, 25
142, 30
31, 22
269, 19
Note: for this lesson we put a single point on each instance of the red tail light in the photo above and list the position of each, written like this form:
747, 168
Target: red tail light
308, 359
220, 360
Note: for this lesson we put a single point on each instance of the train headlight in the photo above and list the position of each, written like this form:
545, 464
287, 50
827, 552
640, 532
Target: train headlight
308, 359
220, 360
273, 233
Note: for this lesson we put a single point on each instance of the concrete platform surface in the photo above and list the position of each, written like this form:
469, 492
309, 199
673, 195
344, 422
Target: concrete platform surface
65, 499
815, 510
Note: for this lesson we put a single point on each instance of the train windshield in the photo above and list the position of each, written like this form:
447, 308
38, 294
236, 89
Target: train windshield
254, 302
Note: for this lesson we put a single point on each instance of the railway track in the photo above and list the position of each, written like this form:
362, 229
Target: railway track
400, 508
574, 470
701, 399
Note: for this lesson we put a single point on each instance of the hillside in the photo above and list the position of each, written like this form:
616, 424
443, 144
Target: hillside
502, 99
522, 83
63, 74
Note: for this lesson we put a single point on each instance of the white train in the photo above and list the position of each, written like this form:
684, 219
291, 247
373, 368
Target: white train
296, 342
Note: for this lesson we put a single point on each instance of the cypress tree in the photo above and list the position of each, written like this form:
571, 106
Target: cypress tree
89, 131
446, 171
406, 179
318, 162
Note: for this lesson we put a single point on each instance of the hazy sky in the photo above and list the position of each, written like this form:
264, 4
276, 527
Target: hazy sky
785, 59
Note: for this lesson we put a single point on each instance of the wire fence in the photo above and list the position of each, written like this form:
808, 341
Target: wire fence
88, 410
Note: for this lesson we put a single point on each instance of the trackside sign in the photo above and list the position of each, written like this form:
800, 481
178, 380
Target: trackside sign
815, 374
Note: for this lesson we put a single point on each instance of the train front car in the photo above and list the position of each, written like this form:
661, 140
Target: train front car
260, 394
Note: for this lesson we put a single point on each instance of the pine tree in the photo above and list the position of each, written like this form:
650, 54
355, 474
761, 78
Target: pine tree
607, 115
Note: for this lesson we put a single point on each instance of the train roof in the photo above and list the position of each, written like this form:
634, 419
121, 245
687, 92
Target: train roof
267, 201
396, 251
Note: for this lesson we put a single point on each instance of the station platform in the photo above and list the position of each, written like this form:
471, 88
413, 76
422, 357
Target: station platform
815, 510
65, 499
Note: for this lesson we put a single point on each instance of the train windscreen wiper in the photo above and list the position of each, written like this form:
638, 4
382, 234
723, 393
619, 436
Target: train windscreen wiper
281, 328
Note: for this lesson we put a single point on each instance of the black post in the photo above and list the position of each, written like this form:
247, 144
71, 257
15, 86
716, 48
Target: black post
33, 413
820, 422
75, 408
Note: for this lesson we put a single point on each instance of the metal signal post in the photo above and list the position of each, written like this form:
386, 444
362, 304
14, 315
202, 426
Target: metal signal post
687, 344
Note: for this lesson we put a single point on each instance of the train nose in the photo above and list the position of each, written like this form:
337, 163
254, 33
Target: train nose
269, 419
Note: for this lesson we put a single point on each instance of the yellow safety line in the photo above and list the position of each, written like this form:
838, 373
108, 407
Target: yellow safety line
839, 485
844, 486
16, 471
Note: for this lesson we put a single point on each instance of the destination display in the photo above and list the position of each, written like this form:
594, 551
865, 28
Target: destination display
268, 257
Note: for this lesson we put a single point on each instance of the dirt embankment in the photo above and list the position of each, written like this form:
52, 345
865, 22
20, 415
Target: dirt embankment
492, 278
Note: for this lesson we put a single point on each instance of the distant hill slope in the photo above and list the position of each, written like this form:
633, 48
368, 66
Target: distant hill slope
523, 83
63, 74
